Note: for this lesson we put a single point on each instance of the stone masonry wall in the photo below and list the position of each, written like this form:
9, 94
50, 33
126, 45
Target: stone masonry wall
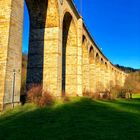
58, 58
14, 54
5, 12
11, 24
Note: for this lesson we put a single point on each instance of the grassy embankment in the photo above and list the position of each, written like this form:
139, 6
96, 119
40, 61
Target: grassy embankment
80, 119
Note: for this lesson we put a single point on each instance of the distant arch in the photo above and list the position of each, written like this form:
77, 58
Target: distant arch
92, 69
102, 61
85, 64
91, 54
106, 65
97, 59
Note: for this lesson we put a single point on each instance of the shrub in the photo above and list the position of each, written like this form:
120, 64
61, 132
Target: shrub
117, 92
96, 96
63, 94
23, 79
66, 99
102, 95
87, 94
39, 97
34, 94
46, 100
106, 95
132, 82
121, 94
114, 92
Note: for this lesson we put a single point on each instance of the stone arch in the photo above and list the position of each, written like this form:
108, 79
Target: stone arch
102, 74
107, 76
43, 13
85, 64
111, 77
106, 65
74, 19
44, 23
36, 41
102, 61
117, 78
92, 69
98, 72
69, 55
91, 55
97, 58
84, 40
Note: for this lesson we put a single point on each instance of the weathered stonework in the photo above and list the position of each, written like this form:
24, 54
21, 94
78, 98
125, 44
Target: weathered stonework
11, 24
62, 57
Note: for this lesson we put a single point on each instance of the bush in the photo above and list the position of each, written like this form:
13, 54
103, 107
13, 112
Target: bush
118, 92
87, 94
39, 97
96, 96
34, 94
23, 79
106, 95
46, 100
114, 92
132, 82
121, 94
103, 95
65, 99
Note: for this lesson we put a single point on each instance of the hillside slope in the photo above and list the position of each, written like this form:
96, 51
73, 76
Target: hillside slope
127, 69
80, 119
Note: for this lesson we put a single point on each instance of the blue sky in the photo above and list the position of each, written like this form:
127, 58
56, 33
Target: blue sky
114, 25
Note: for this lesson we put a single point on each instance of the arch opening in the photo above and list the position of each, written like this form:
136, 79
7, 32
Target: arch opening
69, 55
41, 17
37, 16
25, 49
102, 61
85, 65
91, 55
97, 58
92, 70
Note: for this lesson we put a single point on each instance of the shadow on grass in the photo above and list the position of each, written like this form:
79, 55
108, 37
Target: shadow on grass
125, 105
83, 119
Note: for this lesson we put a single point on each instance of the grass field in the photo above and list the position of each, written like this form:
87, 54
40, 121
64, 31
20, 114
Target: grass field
80, 119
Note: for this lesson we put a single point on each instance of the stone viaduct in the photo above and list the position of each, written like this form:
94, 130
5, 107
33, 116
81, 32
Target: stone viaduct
62, 54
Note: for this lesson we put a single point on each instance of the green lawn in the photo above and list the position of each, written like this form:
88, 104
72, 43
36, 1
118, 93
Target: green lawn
80, 119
